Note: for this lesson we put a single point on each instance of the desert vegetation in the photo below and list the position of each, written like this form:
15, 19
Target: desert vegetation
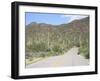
45, 40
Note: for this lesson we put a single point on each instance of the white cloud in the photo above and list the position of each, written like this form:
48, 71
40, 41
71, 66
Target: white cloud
74, 17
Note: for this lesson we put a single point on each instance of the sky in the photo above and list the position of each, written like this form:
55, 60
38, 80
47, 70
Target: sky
48, 18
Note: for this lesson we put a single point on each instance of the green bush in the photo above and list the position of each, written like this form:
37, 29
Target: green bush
57, 49
36, 47
84, 51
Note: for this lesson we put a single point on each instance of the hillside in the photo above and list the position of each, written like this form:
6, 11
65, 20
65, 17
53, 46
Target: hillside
44, 40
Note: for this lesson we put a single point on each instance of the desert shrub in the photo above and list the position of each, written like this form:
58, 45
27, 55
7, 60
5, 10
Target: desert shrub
50, 53
84, 51
30, 59
36, 47
57, 49
43, 55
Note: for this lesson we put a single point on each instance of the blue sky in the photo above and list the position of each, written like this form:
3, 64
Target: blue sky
54, 19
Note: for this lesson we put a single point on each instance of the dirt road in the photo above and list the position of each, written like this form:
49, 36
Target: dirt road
71, 58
